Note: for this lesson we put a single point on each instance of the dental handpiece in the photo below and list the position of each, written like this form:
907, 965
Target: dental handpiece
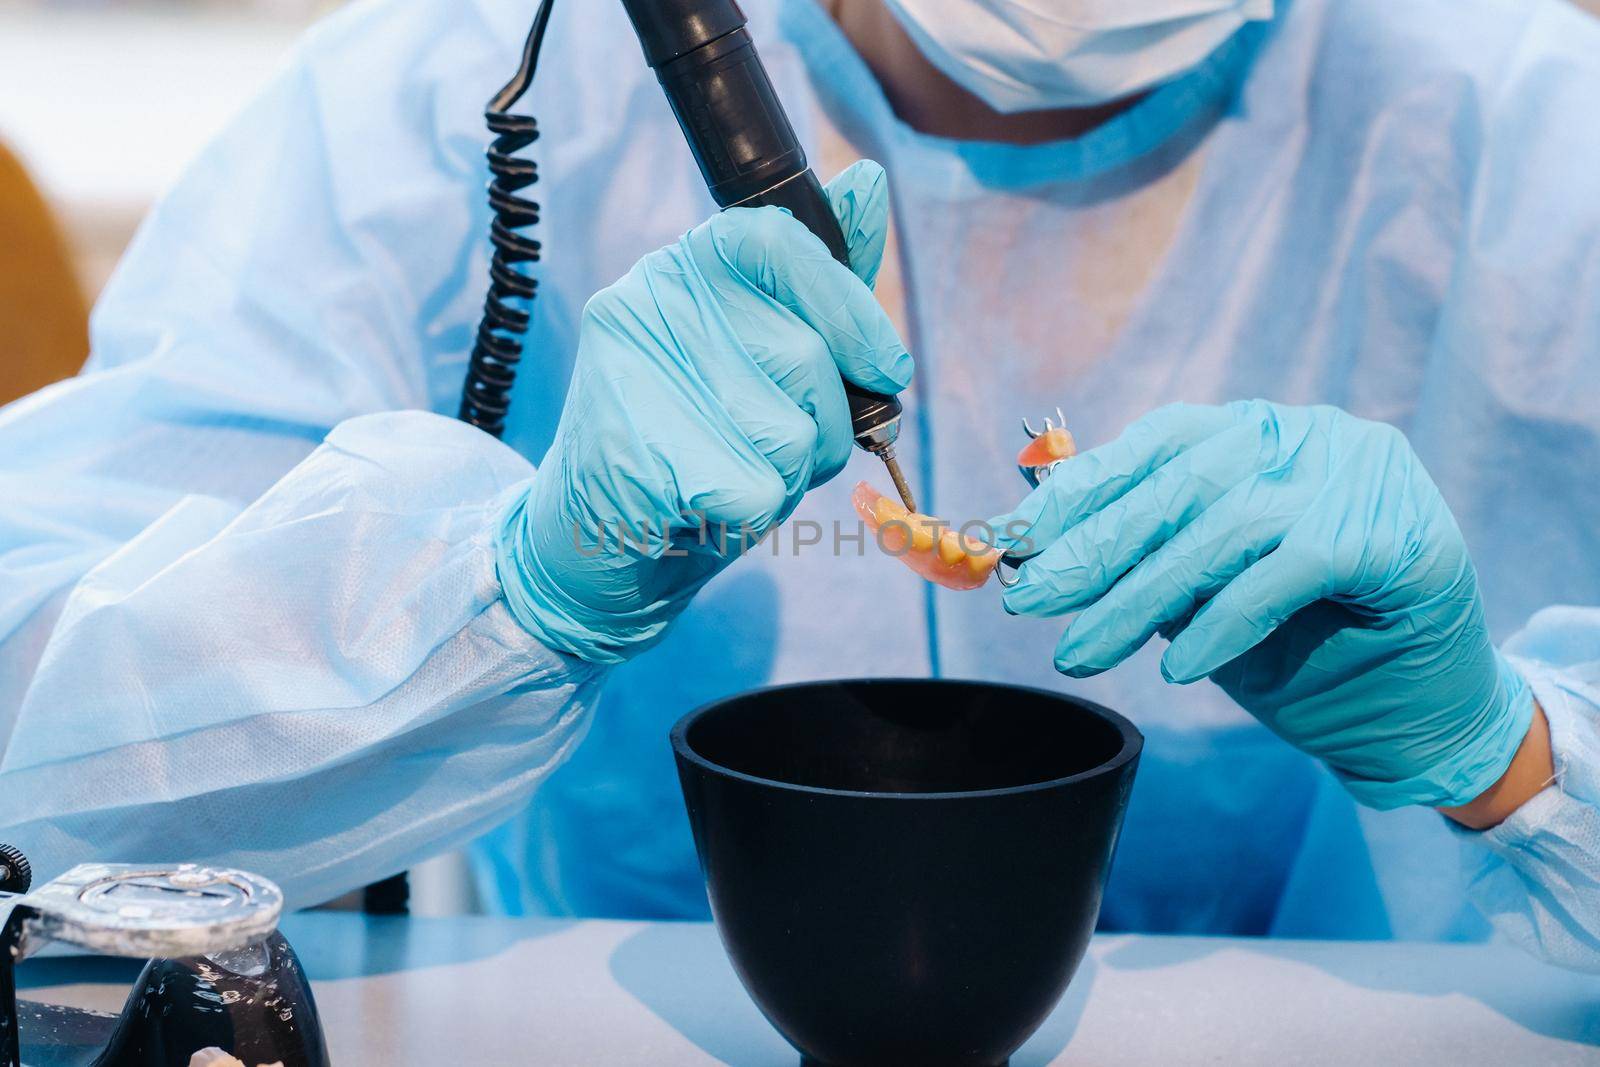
749, 154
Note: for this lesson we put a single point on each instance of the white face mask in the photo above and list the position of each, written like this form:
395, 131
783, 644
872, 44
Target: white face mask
1025, 55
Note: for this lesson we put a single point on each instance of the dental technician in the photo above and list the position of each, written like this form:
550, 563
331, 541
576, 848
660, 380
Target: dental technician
263, 602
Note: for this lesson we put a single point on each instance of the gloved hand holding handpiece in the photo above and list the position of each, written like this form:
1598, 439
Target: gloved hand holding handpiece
705, 401
1303, 560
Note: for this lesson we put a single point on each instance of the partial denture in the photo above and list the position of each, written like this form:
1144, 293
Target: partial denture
925, 544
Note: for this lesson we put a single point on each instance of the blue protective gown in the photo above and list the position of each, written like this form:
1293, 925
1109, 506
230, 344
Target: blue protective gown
219, 639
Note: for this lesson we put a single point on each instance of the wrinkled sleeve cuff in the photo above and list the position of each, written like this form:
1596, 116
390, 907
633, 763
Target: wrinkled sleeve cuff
1575, 748
1536, 876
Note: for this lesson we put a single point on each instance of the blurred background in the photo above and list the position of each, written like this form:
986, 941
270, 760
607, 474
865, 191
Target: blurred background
102, 103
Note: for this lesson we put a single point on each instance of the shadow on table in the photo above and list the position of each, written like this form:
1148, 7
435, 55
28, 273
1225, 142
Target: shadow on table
331, 946
681, 974
1536, 996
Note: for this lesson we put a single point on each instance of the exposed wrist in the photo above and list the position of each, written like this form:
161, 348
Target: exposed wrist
1531, 770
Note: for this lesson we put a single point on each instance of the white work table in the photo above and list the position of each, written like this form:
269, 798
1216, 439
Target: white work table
607, 994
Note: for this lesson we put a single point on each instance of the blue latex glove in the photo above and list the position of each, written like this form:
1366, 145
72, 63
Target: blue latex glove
705, 401
1304, 561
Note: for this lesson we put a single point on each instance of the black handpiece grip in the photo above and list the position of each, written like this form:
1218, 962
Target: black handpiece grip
731, 117
805, 200
739, 134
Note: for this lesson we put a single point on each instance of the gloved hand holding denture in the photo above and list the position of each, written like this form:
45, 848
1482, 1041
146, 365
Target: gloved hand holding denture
1303, 560
705, 401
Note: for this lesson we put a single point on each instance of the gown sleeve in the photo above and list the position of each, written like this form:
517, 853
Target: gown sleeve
1536, 876
245, 617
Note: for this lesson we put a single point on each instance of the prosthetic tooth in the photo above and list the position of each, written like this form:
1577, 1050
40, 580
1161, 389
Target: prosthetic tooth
950, 550
1059, 443
888, 510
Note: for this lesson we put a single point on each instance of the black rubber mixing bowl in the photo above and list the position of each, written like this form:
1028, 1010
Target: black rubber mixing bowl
905, 872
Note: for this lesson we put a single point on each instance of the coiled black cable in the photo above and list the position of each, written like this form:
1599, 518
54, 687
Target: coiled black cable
492, 371
497, 351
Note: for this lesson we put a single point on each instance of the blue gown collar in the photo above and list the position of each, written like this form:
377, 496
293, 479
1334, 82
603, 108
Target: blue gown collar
855, 102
